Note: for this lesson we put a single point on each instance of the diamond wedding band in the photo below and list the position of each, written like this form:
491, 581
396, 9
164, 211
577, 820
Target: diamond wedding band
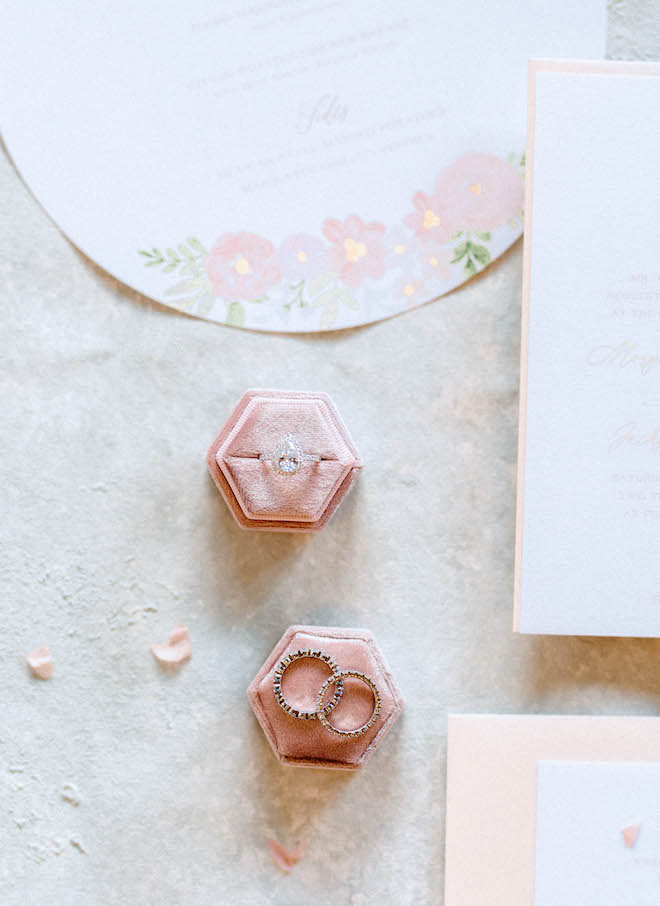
321, 711
277, 684
322, 714
288, 457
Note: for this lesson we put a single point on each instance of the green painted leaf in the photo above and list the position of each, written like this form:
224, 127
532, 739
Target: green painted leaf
204, 304
460, 251
181, 288
482, 255
185, 252
325, 298
485, 237
319, 283
196, 245
470, 267
235, 315
329, 316
344, 296
183, 303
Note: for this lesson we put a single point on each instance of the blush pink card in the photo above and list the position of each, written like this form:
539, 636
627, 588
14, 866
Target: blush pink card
491, 793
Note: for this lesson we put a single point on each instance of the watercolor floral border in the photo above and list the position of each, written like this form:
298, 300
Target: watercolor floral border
472, 214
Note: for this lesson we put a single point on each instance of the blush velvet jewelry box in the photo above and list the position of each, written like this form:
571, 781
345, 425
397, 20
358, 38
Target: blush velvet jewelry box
284, 461
285, 694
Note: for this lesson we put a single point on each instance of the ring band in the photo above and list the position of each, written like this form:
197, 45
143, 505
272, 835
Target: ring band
288, 457
320, 707
321, 711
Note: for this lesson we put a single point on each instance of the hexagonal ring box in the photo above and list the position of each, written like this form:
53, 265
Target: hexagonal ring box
307, 743
284, 461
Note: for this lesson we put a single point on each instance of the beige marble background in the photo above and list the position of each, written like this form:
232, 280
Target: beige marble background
119, 784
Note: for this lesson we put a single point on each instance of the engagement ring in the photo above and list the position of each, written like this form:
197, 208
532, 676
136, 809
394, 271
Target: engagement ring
288, 456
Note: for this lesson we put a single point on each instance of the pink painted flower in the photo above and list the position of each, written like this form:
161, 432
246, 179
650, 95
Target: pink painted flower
358, 249
411, 290
431, 219
302, 257
242, 266
403, 250
436, 264
481, 191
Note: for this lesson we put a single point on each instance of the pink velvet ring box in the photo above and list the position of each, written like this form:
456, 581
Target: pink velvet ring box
306, 743
261, 498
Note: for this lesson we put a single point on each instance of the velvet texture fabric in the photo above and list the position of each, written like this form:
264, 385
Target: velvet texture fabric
305, 742
259, 497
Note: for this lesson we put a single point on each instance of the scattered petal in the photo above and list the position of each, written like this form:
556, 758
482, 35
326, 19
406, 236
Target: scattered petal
285, 859
77, 843
40, 662
176, 651
630, 834
70, 794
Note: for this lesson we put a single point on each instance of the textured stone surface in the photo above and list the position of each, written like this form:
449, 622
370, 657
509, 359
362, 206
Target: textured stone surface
110, 539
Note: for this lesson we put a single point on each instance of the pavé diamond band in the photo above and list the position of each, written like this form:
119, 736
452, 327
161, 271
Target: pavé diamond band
279, 673
322, 714
322, 710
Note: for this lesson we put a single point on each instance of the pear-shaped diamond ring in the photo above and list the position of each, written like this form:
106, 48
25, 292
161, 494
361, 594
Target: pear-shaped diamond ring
288, 457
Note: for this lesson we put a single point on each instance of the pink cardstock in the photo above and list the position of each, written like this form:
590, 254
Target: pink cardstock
491, 793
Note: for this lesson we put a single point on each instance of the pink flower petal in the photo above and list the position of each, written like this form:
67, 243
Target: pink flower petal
631, 833
333, 230
40, 662
421, 201
354, 224
283, 858
176, 651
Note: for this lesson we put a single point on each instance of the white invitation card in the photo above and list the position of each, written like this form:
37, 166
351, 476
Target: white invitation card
597, 835
588, 532
293, 165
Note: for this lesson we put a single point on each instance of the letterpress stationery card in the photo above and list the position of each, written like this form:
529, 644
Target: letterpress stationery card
588, 533
291, 165
597, 835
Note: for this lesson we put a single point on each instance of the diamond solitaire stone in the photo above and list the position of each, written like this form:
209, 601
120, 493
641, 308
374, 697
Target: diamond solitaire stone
288, 456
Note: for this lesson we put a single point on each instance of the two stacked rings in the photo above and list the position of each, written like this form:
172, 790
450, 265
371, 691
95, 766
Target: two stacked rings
321, 710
